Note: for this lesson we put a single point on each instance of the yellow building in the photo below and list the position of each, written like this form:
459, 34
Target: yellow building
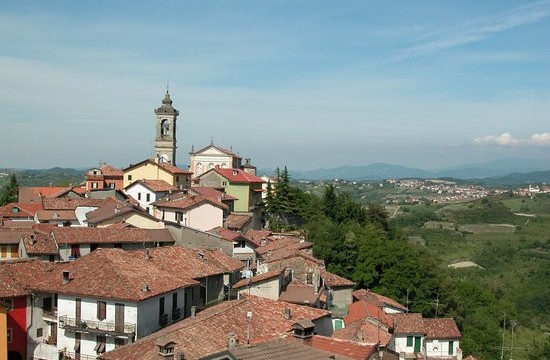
4, 331
157, 170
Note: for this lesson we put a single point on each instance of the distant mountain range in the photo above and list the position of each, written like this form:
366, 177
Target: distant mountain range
511, 170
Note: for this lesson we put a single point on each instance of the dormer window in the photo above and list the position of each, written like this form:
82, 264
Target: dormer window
15, 210
165, 348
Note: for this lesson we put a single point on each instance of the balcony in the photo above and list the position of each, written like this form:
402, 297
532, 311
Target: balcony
176, 314
49, 315
65, 355
98, 327
163, 320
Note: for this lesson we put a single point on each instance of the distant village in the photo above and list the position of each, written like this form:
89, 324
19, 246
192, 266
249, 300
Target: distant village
157, 262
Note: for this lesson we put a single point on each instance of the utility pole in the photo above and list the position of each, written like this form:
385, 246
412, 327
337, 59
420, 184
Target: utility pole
503, 332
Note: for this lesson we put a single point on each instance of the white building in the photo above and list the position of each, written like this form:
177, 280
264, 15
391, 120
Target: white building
147, 192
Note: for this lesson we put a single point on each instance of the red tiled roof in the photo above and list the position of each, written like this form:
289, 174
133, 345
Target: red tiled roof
333, 280
40, 244
109, 170
237, 221
229, 235
362, 309
174, 169
442, 328
297, 292
207, 333
24, 210
155, 185
12, 235
280, 242
72, 204
224, 261
258, 235
188, 202
238, 176
377, 299
29, 194
351, 349
56, 215
17, 276
212, 193
284, 348
114, 211
113, 274
259, 278
194, 263
408, 323
108, 235
371, 333
17, 224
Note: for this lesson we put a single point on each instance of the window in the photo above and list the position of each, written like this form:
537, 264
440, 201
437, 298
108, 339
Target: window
75, 250
179, 216
94, 185
15, 210
174, 301
409, 341
101, 310
309, 278
451, 347
224, 183
119, 342
130, 177
39, 332
10, 335
100, 344
161, 306
177, 178
47, 304
139, 196
239, 244
148, 197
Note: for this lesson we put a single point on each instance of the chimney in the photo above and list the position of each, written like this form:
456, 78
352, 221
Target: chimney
180, 356
193, 311
66, 278
32, 239
147, 256
145, 288
233, 341
286, 313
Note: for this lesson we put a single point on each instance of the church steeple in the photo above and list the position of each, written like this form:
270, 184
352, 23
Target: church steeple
165, 141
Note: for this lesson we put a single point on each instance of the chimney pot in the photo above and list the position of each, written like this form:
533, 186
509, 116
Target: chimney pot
66, 278
193, 311
286, 314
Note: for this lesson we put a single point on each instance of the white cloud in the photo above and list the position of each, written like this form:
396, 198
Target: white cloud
507, 140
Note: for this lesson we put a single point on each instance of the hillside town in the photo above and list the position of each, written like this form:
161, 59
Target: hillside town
153, 261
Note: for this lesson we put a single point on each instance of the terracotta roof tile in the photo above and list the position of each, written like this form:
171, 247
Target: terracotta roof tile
362, 309
297, 292
19, 210
185, 202
207, 333
237, 221
109, 235
155, 185
351, 349
333, 280
408, 323
377, 299
174, 169
28, 194
56, 215
212, 193
12, 235
238, 176
40, 244
113, 274
442, 328
283, 349
370, 333
259, 278
72, 204
16, 277
115, 210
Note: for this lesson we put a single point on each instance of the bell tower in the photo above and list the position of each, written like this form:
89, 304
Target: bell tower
165, 140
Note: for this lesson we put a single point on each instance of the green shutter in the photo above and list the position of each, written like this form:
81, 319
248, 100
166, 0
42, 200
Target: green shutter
409, 341
451, 347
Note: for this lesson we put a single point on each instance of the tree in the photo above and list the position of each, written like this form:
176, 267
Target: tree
10, 192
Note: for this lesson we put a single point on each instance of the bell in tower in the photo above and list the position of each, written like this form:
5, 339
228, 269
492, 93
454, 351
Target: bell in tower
165, 141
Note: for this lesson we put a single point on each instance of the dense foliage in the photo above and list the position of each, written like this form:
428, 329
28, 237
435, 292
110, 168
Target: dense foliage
362, 243
10, 193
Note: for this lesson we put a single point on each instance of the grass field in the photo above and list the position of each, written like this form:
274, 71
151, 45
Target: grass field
514, 252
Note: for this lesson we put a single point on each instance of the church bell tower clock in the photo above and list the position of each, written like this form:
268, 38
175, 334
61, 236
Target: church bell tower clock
165, 141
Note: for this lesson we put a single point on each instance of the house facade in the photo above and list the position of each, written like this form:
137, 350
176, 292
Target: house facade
153, 169
211, 157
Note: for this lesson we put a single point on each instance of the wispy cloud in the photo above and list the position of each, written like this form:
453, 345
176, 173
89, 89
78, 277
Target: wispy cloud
475, 30
507, 140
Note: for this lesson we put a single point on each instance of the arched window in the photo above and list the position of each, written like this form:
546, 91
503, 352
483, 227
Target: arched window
164, 128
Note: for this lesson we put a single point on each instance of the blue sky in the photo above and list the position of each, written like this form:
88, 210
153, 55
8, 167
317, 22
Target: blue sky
306, 84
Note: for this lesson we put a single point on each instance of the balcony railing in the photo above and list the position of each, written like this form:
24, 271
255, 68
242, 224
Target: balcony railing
49, 314
176, 314
65, 355
91, 326
163, 320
